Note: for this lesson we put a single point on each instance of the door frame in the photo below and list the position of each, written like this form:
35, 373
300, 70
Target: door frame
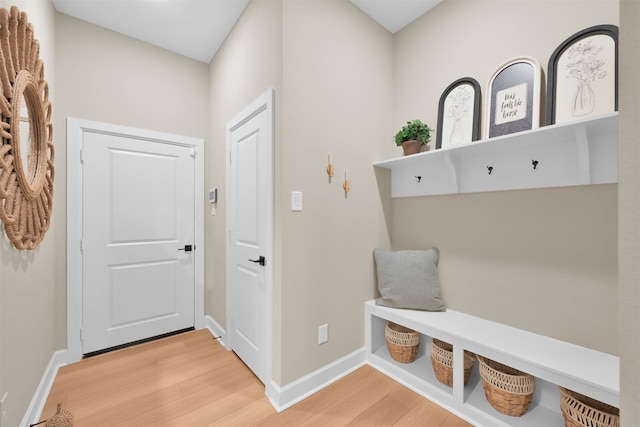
264, 102
75, 136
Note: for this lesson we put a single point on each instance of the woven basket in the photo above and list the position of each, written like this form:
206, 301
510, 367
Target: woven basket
402, 342
583, 411
442, 362
508, 390
62, 418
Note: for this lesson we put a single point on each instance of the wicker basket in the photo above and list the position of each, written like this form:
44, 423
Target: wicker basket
402, 342
581, 411
508, 390
442, 362
62, 418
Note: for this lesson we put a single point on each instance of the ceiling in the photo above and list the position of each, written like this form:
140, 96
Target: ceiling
197, 28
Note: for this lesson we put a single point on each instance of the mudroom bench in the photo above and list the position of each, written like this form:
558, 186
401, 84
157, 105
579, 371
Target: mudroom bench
552, 362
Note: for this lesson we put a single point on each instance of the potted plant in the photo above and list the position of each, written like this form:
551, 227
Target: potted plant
412, 136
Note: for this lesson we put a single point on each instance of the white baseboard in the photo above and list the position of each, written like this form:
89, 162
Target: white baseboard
284, 397
217, 330
34, 411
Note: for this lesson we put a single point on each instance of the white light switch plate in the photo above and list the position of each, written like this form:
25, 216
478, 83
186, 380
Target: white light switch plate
296, 201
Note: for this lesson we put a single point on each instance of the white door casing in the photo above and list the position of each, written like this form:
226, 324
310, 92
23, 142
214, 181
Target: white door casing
250, 184
122, 147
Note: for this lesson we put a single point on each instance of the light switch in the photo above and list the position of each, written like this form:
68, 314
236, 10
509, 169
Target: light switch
296, 201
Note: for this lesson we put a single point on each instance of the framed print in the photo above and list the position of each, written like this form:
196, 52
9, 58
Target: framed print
458, 113
583, 75
513, 104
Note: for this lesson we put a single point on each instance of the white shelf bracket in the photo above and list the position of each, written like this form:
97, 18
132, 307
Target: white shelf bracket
584, 161
453, 175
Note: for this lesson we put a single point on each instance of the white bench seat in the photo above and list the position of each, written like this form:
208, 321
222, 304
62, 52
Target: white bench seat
551, 361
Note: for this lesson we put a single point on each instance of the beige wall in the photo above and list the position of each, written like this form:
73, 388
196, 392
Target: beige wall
331, 68
629, 213
107, 77
99, 75
337, 77
541, 260
27, 309
248, 63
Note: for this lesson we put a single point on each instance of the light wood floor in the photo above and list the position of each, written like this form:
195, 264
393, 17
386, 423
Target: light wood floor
191, 380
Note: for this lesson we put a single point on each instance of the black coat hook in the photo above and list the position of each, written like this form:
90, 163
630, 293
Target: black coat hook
418, 178
534, 163
490, 169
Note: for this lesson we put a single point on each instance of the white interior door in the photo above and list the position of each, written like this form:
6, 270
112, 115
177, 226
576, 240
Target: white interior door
250, 222
138, 215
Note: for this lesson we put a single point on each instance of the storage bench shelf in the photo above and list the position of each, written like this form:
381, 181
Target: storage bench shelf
551, 361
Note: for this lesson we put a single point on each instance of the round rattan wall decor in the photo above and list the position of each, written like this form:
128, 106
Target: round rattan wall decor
26, 154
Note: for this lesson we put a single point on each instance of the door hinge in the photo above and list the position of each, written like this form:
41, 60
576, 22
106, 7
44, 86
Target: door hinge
82, 155
81, 245
193, 152
81, 334
230, 157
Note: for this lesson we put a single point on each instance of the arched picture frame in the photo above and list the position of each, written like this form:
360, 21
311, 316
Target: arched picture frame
27, 153
459, 113
513, 102
583, 75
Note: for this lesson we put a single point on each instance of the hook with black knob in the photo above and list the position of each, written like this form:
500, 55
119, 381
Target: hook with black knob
534, 163
490, 169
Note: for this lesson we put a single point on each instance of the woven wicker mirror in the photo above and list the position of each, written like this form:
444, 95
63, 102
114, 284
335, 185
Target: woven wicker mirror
26, 154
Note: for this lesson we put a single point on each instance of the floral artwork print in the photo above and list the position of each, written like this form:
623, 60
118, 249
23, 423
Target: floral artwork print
586, 67
583, 76
458, 110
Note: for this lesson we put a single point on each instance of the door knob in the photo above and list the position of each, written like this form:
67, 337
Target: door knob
187, 248
261, 260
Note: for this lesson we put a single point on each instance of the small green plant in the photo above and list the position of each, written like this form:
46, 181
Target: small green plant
414, 130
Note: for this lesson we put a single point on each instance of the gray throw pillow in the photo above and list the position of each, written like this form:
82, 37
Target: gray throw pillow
409, 279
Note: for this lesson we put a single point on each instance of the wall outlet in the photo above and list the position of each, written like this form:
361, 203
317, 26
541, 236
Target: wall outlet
323, 334
4, 414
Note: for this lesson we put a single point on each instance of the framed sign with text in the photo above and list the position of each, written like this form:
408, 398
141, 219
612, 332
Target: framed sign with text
513, 101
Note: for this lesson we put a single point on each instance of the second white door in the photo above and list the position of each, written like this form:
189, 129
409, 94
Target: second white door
250, 219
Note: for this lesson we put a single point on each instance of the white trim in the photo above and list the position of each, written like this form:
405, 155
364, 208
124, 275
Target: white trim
34, 411
264, 102
216, 330
75, 130
282, 398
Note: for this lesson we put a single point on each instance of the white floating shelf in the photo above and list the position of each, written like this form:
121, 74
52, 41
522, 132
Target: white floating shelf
582, 152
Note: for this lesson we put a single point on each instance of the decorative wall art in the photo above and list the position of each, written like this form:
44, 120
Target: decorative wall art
26, 153
513, 103
458, 113
583, 75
